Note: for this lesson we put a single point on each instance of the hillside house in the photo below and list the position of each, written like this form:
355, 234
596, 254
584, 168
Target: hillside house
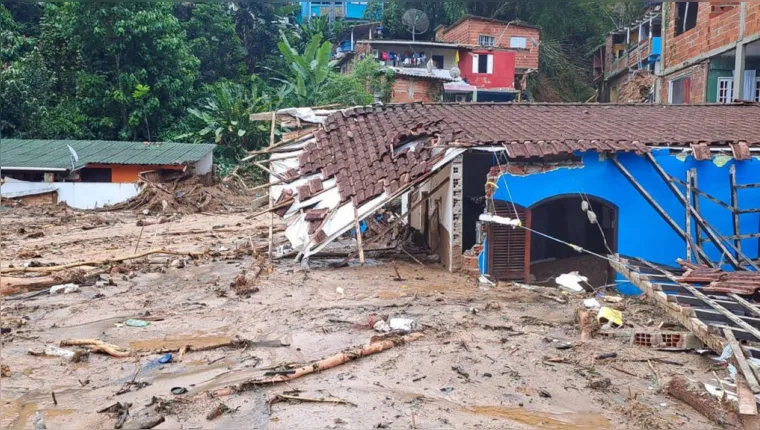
88, 174
480, 59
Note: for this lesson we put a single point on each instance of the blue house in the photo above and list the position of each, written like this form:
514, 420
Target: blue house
349, 10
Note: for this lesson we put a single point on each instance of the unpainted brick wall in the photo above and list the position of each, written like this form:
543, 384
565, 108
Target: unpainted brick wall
469, 31
698, 74
716, 27
631, 59
424, 90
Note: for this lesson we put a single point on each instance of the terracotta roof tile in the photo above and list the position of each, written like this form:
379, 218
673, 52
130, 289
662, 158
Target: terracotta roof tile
355, 146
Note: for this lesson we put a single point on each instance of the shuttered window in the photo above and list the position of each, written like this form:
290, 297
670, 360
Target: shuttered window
509, 248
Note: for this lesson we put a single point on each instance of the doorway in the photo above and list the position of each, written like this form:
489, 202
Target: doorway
515, 254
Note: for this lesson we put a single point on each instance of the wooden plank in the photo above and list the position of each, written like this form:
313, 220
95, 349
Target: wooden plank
697, 302
701, 193
734, 206
713, 304
697, 217
748, 211
688, 214
674, 225
744, 236
741, 360
743, 186
357, 225
754, 310
695, 190
747, 402
739, 333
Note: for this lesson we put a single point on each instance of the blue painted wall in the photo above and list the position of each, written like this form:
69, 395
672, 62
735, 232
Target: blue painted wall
641, 230
354, 10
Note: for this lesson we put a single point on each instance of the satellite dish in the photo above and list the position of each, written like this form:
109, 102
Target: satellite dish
416, 22
455, 72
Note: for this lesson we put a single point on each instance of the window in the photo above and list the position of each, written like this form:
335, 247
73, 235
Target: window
725, 90
438, 61
482, 63
757, 90
686, 16
679, 91
518, 42
485, 40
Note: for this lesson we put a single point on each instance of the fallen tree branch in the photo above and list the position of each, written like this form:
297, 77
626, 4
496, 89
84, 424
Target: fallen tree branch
695, 396
98, 262
324, 364
97, 345
284, 397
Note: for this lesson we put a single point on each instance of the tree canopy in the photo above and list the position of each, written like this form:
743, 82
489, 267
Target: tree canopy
159, 71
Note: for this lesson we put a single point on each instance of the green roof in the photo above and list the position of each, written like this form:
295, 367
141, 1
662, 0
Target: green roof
55, 154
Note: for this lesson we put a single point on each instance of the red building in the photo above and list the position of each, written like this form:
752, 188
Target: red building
482, 60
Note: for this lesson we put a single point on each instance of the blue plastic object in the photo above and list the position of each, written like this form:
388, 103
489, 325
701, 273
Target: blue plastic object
165, 359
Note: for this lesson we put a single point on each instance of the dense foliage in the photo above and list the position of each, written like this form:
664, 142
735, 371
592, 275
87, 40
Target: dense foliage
196, 71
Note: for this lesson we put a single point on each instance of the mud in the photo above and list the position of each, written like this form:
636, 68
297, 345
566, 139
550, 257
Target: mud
499, 336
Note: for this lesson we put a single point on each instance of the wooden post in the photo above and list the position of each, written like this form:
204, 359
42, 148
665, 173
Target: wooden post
358, 234
674, 225
688, 214
694, 189
735, 207
741, 360
271, 200
697, 217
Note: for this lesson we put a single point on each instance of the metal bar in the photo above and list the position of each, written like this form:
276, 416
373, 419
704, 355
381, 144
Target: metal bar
674, 225
697, 217
688, 214
735, 206
712, 303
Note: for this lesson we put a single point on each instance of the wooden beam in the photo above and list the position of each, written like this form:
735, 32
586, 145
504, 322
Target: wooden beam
695, 190
744, 236
700, 192
754, 310
713, 304
741, 360
674, 225
748, 211
697, 217
688, 215
743, 186
696, 302
357, 225
707, 314
734, 206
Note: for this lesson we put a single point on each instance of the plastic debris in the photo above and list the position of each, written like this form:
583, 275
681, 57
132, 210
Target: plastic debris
405, 325
382, 327
39, 421
137, 323
64, 288
725, 355
55, 351
179, 390
611, 316
500, 220
165, 359
571, 282
591, 303
340, 291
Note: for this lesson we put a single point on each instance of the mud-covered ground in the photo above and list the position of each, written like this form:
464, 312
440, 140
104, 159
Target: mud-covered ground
488, 358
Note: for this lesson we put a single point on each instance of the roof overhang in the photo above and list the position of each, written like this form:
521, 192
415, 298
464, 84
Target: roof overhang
410, 43
35, 169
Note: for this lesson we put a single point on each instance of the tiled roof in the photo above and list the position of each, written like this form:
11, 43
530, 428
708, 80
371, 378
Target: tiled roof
55, 155
360, 147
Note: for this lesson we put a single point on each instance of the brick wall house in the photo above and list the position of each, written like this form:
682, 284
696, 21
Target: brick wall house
408, 89
706, 56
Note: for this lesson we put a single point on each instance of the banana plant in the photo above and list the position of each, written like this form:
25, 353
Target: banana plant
308, 77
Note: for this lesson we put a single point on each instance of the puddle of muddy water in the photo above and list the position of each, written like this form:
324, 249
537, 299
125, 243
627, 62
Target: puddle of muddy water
545, 420
18, 413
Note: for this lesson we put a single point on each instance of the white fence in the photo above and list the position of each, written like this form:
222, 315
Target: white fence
81, 195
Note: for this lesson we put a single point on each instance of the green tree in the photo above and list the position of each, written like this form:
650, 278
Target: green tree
25, 90
309, 73
211, 35
115, 48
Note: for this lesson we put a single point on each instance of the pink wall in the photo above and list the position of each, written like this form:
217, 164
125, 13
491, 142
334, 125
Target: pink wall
503, 75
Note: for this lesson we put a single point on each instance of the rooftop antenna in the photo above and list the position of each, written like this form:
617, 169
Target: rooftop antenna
74, 157
416, 22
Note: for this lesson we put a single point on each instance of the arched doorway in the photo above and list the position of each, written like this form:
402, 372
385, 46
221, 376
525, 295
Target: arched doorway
514, 254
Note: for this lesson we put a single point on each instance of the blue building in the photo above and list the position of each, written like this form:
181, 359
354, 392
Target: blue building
349, 10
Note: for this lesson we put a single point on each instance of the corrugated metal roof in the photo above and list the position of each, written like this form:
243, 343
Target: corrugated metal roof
55, 155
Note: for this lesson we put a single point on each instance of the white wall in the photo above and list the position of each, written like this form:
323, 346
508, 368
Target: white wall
80, 195
205, 164
445, 196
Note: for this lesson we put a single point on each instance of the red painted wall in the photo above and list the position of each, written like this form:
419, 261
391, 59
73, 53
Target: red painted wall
503, 75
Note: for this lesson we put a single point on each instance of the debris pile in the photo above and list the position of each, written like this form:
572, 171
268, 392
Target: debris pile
637, 89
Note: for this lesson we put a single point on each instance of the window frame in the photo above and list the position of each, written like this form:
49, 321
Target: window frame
481, 39
729, 91
757, 90
524, 39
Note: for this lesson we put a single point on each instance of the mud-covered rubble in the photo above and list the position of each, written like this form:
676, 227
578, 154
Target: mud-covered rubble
491, 356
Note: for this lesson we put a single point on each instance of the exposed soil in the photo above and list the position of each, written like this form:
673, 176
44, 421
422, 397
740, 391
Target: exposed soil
488, 358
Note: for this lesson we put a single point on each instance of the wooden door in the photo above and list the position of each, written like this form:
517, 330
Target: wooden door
435, 229
508, 247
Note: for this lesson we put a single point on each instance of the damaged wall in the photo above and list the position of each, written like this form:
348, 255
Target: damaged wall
442, 199
642, 232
